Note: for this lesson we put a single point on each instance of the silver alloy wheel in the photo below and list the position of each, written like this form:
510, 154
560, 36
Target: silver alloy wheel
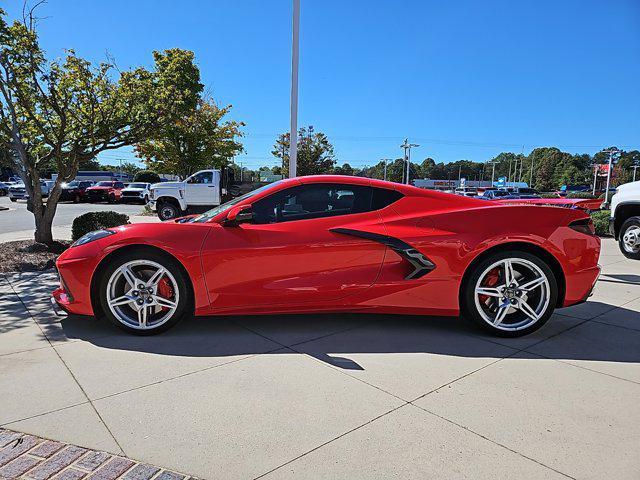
135, 294
512, 294
631, 239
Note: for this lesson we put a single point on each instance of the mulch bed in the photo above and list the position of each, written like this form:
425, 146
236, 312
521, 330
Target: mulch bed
29, 256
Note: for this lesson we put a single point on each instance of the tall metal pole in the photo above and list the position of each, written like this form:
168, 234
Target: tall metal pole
295, 57
407, 157
385, 160
531, 175
493, 172
611, 152
595, 177
635, 167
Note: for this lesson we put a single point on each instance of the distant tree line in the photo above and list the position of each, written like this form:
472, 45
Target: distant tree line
546, 168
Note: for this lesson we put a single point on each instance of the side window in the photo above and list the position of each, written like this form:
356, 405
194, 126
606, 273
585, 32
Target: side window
202, 177
383, 198
315, 200
119, 185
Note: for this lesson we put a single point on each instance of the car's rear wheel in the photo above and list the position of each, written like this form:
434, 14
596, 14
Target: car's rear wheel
630, 238
510, 294
144, 292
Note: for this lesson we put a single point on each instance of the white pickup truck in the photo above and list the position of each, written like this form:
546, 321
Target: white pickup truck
624, 223
200, 191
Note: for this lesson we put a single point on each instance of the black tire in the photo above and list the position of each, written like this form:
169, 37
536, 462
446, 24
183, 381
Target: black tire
185, 303
13, 199
469, 309
146, 199
168, 211
111, 198
625, 247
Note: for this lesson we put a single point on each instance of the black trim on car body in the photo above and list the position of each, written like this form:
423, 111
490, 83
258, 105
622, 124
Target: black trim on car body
421, 264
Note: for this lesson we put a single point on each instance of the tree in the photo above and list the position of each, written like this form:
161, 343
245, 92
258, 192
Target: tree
315, 153
146, 176
199, 139
66, 111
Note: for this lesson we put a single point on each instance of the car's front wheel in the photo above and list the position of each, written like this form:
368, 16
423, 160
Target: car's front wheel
630, 238
167, 211
510, 294
144, 292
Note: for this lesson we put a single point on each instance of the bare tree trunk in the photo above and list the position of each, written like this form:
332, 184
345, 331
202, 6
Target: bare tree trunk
44, 221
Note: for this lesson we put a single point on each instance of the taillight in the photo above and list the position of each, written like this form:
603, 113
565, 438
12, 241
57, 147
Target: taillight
584, 225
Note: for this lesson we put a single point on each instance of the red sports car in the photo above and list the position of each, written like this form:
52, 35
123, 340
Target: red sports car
337, 244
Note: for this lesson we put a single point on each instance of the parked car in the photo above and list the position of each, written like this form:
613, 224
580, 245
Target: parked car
565, 189
624, 223
493, 194
337, 243
136, 192
106, 191
18, 191
75, 191
4, 189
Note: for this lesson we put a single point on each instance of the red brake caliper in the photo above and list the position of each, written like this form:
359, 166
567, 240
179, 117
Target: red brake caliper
165, 290
491, 280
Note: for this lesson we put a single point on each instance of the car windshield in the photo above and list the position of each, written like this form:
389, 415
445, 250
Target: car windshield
104, 184
226, 206
137, 185
71, 184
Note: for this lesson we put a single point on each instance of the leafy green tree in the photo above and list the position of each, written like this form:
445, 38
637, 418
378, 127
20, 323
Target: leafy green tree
67, 111
197, 140
315, 153
345, 169
146, 176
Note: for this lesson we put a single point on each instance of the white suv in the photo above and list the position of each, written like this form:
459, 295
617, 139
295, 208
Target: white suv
624, 223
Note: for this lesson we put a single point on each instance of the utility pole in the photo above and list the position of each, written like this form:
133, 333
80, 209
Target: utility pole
493, 172
595, 177
459, 172
385, 160
531, 175
240, 163
407, 156
612, 151
635, 167
295, 60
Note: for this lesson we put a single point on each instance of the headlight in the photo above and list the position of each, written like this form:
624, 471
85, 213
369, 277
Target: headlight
92, 236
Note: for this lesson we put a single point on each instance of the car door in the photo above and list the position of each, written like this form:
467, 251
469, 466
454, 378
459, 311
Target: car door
292, 254
199, 189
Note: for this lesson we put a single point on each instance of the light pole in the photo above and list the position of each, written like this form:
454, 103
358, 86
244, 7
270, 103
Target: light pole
295, 54
635, 167
407, 156
611, 152
493, 172
385, 160
595, 177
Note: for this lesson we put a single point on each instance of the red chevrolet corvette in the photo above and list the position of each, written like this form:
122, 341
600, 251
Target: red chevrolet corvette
337, 244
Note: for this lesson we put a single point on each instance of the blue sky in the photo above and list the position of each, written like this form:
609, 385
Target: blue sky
464, 79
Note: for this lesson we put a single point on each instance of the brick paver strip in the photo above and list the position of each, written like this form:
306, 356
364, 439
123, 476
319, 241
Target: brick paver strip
141, 472
93, 460
18, 466
166, 475
53, 465
112, 469
70, 474
29, 457
46, 449
6, 437
17, 448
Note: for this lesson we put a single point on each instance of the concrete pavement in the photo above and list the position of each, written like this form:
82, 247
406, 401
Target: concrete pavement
16, 222
336, 396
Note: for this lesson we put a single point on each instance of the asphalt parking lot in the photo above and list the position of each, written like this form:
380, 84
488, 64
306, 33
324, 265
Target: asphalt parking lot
17, 221
336, 396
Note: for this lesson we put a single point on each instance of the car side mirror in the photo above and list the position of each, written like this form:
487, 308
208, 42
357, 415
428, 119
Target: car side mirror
237, 215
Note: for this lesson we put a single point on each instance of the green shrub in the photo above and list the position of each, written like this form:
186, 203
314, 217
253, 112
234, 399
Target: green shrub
92, 221
608, 200
601, 221
549, 195
580, 195
146, 176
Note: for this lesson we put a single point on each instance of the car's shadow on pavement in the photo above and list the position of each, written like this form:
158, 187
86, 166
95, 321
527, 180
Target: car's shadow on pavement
333, 338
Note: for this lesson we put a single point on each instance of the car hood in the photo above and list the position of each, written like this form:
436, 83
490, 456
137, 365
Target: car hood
99, 188
168, 185
133, 189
